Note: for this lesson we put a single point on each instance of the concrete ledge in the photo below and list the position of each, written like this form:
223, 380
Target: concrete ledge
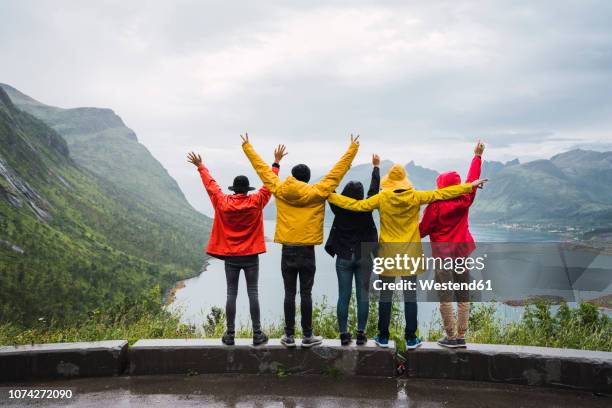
540, 366
568, 368
210, 356
56, 360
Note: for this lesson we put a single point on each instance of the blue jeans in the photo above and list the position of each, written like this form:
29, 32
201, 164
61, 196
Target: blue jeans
410, 308
347, 269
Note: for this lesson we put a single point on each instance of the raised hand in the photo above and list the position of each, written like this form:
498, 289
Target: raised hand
375, 160
479, 183
479, 149
194, 159
354, 139
279, 153
245, 138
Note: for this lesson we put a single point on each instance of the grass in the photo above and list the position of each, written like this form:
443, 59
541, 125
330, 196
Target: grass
582, 327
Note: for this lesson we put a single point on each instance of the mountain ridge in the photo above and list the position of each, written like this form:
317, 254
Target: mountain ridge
572, 188
98, 140
71, 236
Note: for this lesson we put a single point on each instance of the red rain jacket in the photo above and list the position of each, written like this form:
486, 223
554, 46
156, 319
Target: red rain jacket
238, 225
447, 221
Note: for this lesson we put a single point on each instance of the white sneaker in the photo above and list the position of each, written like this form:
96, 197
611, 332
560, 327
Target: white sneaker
308, 342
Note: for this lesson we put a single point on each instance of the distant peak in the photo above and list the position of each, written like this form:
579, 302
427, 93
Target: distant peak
18, 97
513, 162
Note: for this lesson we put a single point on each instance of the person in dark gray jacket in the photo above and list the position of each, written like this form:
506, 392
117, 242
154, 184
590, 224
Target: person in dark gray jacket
349, 230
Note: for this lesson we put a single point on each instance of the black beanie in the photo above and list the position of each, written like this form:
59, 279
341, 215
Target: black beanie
301, 172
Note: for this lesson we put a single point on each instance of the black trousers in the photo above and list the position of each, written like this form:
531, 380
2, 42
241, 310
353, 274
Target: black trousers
298, 262
250, 266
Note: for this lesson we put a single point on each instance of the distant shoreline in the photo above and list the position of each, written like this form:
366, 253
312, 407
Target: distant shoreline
170, 295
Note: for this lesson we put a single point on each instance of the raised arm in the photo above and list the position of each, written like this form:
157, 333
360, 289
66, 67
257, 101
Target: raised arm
474, 172
375, 180
352, 204
426, 197
329, 183
211, 186
265, 173
264, 194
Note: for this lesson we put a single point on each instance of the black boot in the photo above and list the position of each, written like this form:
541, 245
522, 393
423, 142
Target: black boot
228, 338
260, 338
345, 339
361, 338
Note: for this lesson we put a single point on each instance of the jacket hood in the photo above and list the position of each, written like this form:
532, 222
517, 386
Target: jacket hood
449, 178
396, 179
294, 192
353, 189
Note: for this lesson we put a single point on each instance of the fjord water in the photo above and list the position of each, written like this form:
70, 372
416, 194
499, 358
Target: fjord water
208, 289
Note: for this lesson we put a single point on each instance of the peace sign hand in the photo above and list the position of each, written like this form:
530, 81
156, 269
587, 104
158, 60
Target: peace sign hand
245, 138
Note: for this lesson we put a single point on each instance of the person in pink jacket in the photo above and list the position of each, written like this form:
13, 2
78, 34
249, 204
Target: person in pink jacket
446, 223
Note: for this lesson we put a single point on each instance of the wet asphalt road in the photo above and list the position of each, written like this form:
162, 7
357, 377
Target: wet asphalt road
316, 391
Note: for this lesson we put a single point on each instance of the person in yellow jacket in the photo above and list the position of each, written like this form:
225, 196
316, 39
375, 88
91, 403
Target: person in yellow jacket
300, 210
398, 205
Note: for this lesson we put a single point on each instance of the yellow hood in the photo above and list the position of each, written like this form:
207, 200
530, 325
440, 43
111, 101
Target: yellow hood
295, 192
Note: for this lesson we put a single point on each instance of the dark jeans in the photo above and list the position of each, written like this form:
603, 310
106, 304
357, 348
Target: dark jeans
346, 269
233, 266
298, 262
410, 308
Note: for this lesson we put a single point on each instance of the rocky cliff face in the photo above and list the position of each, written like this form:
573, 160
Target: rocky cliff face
71, 240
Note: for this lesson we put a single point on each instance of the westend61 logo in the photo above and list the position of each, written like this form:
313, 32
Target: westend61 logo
403, 265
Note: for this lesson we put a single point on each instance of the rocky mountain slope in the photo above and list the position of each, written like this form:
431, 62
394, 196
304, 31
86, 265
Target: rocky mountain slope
73, 241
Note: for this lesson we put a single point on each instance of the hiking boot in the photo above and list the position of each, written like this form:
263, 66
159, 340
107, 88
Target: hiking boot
260, 338
311, 340
345, 339
228, 338
381, 341
461, 343
288, 341
361, 338
446, 342
413, 342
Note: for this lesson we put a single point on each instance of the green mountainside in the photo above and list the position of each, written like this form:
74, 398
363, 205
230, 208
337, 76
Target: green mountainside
73, 240
572, 188
99, 141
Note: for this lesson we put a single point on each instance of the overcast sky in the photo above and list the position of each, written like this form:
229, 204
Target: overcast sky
418, 81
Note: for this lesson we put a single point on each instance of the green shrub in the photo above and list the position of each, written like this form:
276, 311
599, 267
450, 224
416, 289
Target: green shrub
582, 327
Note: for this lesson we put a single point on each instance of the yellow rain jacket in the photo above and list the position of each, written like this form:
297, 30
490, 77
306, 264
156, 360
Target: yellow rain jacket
399, 220
300, 207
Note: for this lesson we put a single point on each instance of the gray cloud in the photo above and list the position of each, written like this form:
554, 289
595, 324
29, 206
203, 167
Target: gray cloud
418, 80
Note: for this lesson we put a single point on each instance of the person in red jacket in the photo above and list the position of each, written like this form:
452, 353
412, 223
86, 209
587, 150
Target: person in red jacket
237, 237
446, 223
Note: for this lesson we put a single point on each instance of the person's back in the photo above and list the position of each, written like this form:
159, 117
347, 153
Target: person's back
238, 220
300, 207
300, 211
349, 230
237, 237
238, 223
447, 222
